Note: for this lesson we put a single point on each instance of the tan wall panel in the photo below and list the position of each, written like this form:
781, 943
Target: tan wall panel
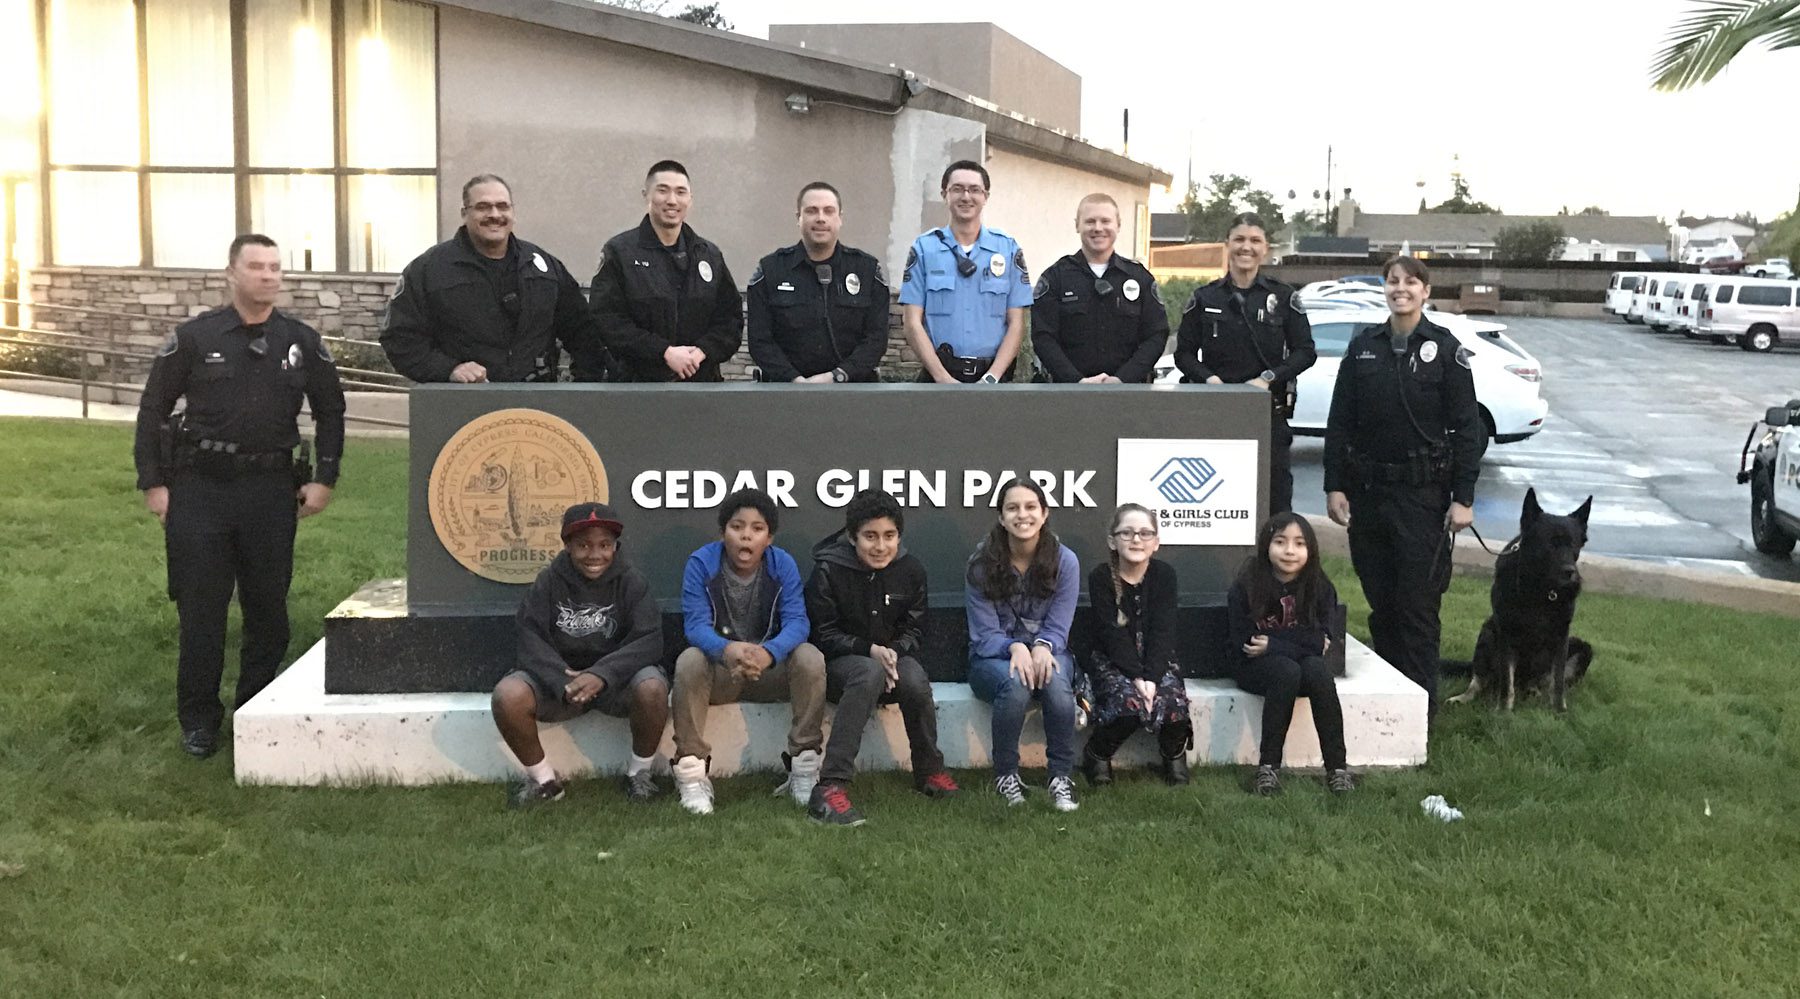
572, 122
1034, 202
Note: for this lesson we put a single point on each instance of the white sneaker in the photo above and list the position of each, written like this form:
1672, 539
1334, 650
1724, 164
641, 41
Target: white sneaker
1010, 787
1062, 794
803, 776
694, 786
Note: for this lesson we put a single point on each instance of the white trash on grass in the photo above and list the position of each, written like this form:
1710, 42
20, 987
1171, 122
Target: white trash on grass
1436, 807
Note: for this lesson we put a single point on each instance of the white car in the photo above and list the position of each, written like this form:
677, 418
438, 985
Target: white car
1507, 377
1774, 267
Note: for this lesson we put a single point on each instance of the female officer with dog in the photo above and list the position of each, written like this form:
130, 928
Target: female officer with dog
1403, 446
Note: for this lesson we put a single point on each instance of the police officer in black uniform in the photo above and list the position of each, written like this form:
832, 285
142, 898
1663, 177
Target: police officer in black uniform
1403, 448
818, 309
1096, 316
486, 306
667, 307
1247, 327
223, 479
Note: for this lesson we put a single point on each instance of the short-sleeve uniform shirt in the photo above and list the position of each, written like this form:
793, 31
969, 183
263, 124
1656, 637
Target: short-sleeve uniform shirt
966, 312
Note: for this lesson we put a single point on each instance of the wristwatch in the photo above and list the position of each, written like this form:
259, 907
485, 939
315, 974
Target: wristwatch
988, 378
837, 375
1267, 376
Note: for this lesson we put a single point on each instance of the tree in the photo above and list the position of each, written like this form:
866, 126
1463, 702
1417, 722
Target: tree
1228, 195
1459, 202
1712, 34
1529, 243
706, 15
1593, 210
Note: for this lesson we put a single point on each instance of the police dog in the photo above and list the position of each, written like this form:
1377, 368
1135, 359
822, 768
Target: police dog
1526, 639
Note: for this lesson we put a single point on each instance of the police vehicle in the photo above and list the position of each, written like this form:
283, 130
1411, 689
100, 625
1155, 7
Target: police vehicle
1770, 463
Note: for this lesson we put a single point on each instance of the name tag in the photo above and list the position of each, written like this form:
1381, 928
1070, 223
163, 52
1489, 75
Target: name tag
784, 286
1216, 312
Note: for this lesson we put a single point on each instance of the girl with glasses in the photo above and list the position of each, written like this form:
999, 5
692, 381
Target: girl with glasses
1137, 683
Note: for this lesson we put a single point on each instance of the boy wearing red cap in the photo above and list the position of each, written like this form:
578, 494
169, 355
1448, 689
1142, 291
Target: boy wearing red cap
590, 637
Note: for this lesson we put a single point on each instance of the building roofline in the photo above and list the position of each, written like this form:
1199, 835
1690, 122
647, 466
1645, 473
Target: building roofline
883, 89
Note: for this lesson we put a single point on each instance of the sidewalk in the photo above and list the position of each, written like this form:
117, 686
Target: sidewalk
51, 399
1611, 574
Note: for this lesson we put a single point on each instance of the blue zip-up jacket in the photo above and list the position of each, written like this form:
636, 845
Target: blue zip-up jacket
994, 627
703, 615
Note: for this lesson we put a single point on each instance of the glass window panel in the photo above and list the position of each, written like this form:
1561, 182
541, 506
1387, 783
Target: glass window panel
390, 73
192, 219
392, 220
93, 82
189, 48
289, 83
297, 211
19, 83
96, 219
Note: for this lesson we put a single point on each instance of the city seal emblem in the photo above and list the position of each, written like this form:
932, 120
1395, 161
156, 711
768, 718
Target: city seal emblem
499, 488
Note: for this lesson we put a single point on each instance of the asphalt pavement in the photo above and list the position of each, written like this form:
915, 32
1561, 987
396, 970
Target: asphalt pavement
1650, 424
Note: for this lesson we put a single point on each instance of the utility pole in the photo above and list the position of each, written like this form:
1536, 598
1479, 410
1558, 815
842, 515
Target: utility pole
1328, 188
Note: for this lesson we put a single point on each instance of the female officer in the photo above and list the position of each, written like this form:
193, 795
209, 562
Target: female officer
1403, 446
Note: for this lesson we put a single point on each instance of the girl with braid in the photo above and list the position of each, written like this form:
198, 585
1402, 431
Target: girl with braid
1137, 683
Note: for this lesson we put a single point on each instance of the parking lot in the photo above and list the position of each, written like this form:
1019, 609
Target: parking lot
1649, 423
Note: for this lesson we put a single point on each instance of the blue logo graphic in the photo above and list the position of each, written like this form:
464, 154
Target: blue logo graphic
1187, 480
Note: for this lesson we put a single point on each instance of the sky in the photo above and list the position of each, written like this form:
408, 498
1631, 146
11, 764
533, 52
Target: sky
1541, 104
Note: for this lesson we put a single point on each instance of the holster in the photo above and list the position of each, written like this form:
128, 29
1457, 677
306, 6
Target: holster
303, 466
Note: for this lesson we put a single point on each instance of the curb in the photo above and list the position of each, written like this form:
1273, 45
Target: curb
1628, 577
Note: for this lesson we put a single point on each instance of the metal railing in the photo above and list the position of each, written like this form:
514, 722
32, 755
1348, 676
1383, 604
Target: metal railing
82, 346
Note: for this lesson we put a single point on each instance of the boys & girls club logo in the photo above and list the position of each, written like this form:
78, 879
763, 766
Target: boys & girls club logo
1202, 491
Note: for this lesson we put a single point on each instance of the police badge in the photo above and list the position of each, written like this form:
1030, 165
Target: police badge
852, 283
1428, 351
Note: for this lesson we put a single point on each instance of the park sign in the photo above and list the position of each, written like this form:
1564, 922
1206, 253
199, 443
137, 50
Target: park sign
493, 466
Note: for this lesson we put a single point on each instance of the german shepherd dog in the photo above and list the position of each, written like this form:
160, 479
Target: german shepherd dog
1526, 640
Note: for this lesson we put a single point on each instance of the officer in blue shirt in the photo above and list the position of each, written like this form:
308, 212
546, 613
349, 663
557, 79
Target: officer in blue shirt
965, 290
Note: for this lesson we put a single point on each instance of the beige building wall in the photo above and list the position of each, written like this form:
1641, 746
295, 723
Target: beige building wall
976, 58
573, 122
1034, 202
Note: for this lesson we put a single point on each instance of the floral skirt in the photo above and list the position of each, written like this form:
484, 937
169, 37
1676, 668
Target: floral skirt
1114, 696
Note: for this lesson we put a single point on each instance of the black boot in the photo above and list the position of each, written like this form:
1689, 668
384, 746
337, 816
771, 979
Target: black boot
1173, 742
1097, 768
1175, 770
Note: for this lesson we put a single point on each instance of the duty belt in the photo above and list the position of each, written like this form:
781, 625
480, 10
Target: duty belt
224, 459
1422, 468
963, 369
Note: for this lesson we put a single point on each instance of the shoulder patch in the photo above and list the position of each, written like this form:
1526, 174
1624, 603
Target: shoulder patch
1462, 356
1296, 304
879, 274
1192, 302
1019, 265
1042, 287
324, 352
399, 286
912, 260
1155, 292
170, 346
756, 276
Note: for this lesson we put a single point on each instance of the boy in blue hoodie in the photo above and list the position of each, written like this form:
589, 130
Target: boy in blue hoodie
744, 612
590, 637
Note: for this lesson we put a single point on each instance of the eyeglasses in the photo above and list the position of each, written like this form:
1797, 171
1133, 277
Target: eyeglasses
957, 190
484, 207
1141, 534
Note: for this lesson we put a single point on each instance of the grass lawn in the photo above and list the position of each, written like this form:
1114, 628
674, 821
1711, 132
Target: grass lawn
1646, 845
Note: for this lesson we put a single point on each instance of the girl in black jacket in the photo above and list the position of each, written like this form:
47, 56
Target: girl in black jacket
1136, 681
1278, 613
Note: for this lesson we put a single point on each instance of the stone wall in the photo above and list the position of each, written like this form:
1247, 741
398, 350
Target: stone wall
136, 310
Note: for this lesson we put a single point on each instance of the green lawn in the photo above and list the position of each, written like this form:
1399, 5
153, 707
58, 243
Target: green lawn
1589, 863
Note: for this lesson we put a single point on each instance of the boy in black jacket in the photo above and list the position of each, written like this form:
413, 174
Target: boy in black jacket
590, 636
866, 600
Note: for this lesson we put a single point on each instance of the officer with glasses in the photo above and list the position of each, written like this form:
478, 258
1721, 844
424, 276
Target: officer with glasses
1248, 328
964, 294
486, 306
223, 479
1096, 316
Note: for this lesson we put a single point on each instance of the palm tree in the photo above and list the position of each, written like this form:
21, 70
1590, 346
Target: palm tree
1715, 31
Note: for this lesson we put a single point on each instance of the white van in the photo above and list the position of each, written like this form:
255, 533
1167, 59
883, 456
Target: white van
1619, 289
1640, 298
1659, 315
1754, 313
1688, 306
